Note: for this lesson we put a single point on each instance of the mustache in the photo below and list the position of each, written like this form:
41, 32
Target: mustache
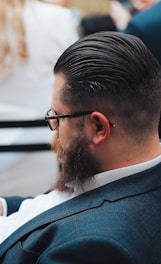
57, 148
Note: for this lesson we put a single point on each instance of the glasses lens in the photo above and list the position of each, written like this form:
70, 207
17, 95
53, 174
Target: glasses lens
53, 122
51, 112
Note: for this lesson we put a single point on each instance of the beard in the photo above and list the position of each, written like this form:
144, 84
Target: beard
77, 164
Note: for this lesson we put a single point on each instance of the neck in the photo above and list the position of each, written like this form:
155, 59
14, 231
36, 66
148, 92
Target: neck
127, 153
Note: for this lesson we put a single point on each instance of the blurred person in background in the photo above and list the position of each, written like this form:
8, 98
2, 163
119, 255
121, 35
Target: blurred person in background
58, 2
147, 26
145, 22
118, 17
122, 14
32, 36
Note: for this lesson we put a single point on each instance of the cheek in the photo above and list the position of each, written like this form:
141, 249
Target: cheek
68, 130
65, 136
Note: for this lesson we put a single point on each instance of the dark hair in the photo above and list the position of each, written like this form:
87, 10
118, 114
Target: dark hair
113, 73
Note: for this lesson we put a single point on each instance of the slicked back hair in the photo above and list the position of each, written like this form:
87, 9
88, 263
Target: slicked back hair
116, 74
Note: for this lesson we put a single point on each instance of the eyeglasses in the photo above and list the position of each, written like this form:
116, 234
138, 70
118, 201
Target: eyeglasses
52, 118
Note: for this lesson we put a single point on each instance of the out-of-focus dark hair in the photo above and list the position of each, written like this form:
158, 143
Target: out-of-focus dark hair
116, 74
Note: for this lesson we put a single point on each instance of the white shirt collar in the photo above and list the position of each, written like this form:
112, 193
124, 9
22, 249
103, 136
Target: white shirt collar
106, 177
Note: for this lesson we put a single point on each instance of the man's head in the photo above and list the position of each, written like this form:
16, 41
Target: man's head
116, 80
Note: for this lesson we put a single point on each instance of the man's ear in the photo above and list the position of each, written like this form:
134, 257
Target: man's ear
102, 127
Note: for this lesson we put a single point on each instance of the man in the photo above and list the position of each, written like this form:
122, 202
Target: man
105, 206
146, 26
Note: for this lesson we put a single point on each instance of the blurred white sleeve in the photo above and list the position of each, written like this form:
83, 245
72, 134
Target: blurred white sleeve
3, 207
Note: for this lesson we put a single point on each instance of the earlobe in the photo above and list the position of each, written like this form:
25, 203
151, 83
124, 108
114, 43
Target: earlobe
102, 127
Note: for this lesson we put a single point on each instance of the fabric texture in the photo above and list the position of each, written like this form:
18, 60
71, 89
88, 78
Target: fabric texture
116, 223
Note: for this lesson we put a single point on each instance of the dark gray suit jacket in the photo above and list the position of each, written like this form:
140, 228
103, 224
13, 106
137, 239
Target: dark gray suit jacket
147, 26
119, 223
